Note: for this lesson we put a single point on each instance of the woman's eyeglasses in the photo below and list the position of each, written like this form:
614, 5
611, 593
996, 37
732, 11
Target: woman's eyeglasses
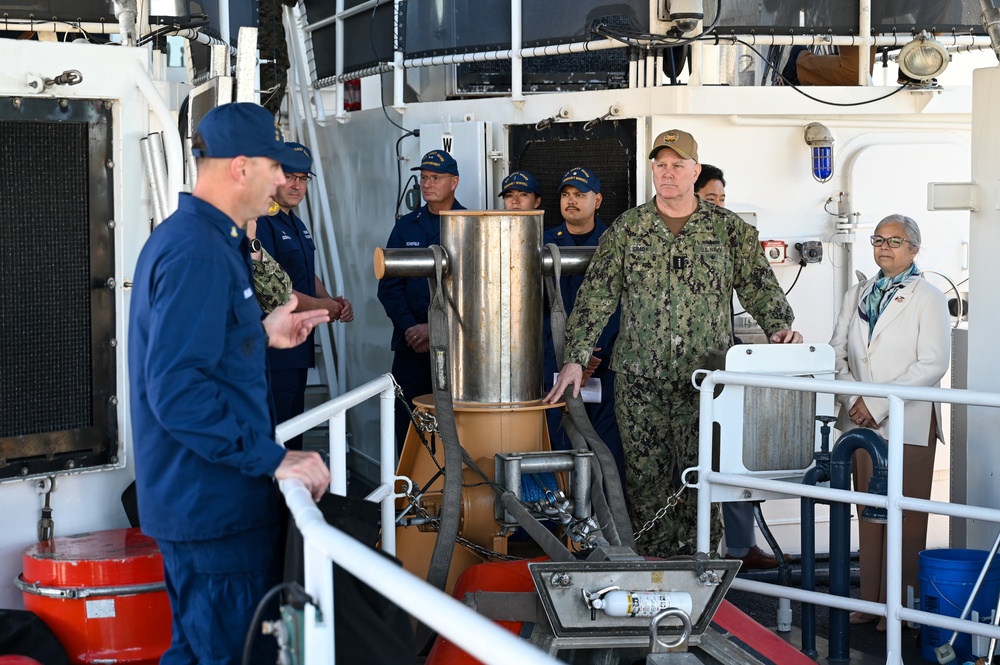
894, 241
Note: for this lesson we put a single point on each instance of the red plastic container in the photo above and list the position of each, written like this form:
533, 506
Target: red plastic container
102, 594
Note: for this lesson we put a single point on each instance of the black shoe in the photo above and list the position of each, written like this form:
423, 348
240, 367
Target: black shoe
790, 72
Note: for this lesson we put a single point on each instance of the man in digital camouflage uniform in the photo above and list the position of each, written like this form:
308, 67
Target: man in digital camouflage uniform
271, 283
673, 264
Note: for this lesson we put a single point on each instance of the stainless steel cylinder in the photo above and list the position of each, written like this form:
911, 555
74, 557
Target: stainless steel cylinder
573, 260
494, 294
417, 262
420, 262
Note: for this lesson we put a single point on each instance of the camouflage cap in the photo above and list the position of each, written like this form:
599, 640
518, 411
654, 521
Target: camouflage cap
271, 283
677, 140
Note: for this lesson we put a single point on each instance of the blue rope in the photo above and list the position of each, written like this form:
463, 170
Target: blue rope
534, 486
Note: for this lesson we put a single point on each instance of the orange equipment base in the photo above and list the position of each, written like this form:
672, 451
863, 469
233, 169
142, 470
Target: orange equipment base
124, 626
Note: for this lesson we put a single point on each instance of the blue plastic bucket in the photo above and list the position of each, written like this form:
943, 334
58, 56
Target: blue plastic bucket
946, 581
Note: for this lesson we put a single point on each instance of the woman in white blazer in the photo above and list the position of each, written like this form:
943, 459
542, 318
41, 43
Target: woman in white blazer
893, 328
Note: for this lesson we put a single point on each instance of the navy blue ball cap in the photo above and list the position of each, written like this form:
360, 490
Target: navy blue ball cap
241, 129
301, 160
438, 161
520, 181
583, 179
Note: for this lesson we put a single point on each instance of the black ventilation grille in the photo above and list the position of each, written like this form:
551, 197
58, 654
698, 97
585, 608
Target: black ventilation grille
57, 360
45, 375
608, 148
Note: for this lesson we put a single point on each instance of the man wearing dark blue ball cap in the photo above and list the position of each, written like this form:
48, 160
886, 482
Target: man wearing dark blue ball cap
206, 458
579, 200
406, 299
286, 238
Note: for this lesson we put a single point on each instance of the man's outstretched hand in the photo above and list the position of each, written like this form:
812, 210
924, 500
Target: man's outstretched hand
287, 328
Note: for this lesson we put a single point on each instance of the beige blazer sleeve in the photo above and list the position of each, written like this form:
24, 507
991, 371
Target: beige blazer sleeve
910, 346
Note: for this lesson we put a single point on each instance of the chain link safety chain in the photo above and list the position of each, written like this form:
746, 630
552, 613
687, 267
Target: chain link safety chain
671, 502
478, 549
423, 421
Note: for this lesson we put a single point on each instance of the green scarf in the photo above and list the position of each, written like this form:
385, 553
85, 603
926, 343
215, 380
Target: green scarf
878, 296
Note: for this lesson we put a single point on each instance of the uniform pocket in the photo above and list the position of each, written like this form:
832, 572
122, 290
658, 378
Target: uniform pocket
245, 339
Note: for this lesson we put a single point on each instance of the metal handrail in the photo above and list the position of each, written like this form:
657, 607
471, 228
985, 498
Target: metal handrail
460, 625
323, 543
894, 501
335, 412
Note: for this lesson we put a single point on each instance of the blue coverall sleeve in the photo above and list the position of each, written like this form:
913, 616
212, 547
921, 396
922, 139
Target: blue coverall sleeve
200, 343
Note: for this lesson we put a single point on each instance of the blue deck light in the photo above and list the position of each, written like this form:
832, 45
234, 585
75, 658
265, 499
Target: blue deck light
820, 141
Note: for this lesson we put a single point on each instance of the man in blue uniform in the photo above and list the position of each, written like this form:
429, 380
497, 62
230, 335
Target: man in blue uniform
406, 299
579, 199
206, 458
287, 239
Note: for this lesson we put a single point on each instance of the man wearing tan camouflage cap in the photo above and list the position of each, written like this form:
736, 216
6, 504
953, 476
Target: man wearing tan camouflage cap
673, 264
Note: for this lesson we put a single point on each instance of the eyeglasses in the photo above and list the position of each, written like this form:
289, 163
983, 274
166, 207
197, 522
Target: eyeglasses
304, 179
894, 241
433, 179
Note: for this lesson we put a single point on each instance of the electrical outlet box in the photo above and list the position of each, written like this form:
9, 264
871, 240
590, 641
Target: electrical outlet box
810, 251
776, 251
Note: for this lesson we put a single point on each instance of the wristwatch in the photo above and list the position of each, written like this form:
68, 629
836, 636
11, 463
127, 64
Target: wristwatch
254, 245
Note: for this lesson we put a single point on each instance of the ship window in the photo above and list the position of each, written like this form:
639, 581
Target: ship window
58, 410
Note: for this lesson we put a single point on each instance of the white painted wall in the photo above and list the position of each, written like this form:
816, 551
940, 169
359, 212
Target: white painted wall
984, 316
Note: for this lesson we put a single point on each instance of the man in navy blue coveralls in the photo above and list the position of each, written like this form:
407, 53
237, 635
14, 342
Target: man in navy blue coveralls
205, 453
287, 239
579, 199
406, 299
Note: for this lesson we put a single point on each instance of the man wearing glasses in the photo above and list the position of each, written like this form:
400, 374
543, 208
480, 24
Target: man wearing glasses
287, 239
406, 299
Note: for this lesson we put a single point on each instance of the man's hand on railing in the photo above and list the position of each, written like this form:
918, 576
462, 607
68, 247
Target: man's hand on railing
307, 467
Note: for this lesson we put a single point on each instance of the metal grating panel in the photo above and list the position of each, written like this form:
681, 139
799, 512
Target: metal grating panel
608, 149
41, 236
57, 365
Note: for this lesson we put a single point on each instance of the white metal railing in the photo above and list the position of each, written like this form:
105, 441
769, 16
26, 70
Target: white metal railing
323, 543
515, 52
335, 413
491, 644
894, 501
